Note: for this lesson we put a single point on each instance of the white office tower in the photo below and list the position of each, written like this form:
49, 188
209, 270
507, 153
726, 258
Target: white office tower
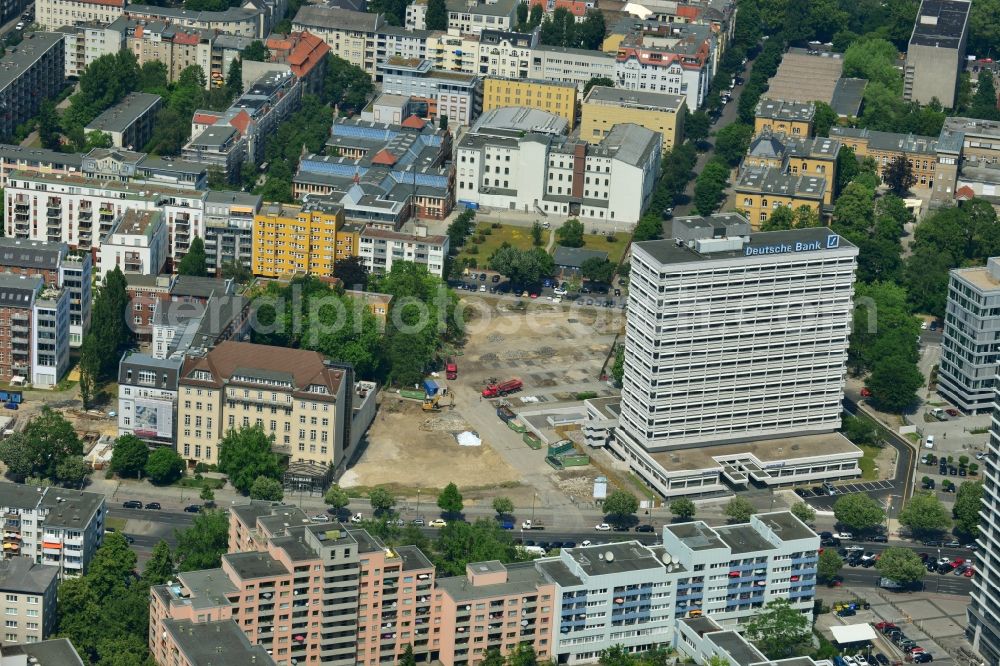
984, 610
735, 356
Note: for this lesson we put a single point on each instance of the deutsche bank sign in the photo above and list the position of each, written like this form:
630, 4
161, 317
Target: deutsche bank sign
832, 242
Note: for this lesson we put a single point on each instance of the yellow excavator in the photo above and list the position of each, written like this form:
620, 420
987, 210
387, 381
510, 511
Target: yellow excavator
432, 403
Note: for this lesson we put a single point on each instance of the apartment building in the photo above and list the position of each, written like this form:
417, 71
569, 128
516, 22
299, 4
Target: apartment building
29, 592
794, 119
796, 156
34, 330
612, 179
503, 53
229, 228
136, 244
87, 41
886, 147
81, 211
738, 423
331, 617
380, 248
296, 239
968, 368
57, 651
983, 630
303, 53
56, 527
551, 97
760, 190
54, 14
678, 64
936, 52
474, 16
182, 328
130, 166
605, 107
59, 267
147, 397
240, 133
247, 20
30, 73
578, 66
351, 35
295, 395
186, 643
568, 607
19, 158
454, 95
130, 122
175, 46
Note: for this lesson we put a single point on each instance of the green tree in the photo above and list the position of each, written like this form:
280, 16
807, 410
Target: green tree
894, 382
898, 176
493, 655
823, 119
739, 510
535, 18
875, 60
382, 501
336, 498
803, 512
829, 565
450, 500
537, 238
236, 271
108, 324
246, 454
207, 495
618, 368
522, 17
780, 219
72, 472
47, 440
164, 466
460, 543
984, 102
901, 565
48, 126
732, 142
234, 77
90, 369
597, 269
437, 15
522, 267
683, 508
570, 233
407, 658
602, 81
590, 33
620, 507
160, 566
129, 456
859, 512
709, 186
968, 504
193, 263
859, 431
264, 488
924, 514
346, 86
503, 506
201, 546
256, 51
697, 125
352, 272
779, 630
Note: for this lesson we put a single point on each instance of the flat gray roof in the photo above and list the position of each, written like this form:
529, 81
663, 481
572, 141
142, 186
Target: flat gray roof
254, 565
614, 558
31, 254
941, 23
22, 574
220, 643
634, 98
667, 251
743, 539
786, 526
125, 113
22, 57
738, 648
522, 578
696, 535
209, 588
53, 652
73, 509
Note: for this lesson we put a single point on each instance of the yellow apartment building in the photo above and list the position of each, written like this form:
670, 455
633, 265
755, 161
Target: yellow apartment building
886, 147
781, 117
292, 394
798, 157
759, 190
297, 239
348, 240
551, 96
604, 107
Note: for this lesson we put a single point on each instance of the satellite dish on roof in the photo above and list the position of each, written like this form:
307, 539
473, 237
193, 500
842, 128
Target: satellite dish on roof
609, 556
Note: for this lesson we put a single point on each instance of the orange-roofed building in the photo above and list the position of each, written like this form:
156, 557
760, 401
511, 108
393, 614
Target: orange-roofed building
304, 53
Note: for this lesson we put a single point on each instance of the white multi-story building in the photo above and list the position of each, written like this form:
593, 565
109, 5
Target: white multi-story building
379, 248
735, 356
984, 609
969, 360
81, 211
137, 244
50, 339
147, 397
53, 526
54, 14
88, 41
531, 172
555, 63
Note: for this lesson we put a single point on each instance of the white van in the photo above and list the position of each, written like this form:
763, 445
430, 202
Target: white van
929, 442
533, 550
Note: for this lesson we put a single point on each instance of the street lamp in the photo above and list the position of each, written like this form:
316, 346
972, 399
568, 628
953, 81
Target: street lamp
534, 496
418, 502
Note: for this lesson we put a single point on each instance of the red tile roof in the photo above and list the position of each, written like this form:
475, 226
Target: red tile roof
302, 51
187, 38
241, 121
965, 193
205, 118
414, 122
575, 7
384, 157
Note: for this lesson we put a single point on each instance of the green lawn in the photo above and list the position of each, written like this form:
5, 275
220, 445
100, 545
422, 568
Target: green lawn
867, 462
519, 237
600, 242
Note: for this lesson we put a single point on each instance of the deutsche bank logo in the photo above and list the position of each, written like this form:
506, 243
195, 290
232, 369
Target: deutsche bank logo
832, 242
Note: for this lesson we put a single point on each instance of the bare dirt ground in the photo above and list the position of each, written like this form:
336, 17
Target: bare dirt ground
408, 449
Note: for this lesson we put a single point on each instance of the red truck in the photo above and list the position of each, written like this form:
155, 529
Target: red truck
503, 388
451, 369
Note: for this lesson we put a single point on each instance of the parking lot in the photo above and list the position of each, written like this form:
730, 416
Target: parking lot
823, 501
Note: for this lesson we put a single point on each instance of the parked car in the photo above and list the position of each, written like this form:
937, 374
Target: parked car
192, 508
132, 504
419, 522
881, 659
129, 539
951, 411
602, 527
923, 658
438, 522
645, 528
879, 538
320, 518
153, 506
357, 518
